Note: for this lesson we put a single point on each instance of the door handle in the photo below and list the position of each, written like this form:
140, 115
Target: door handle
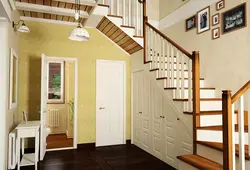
140, 112
101, 108
162, 117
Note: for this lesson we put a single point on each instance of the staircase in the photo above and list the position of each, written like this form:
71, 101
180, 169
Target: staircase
220, 126
123, 24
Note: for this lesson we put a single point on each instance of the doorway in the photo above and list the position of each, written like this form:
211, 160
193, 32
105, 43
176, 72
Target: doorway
110, 103
59, 103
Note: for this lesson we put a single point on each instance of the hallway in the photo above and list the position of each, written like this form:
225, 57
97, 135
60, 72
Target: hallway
126, 157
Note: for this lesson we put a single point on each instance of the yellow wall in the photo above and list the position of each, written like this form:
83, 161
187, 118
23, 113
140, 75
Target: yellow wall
52, 40
224, 61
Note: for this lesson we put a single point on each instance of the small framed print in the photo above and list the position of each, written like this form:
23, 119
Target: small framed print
216, 33
215, 19
191, 23
220, 5
203, 20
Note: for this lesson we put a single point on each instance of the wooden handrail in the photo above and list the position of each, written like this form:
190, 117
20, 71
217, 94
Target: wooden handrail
169, 40
239, 93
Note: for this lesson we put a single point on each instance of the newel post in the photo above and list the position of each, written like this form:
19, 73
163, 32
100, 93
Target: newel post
196, 96
227, 116
145, 20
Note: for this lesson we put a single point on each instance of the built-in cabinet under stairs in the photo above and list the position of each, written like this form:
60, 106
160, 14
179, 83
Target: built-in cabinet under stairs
220, 123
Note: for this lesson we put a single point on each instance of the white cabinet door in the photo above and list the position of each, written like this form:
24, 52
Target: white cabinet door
137, 97
157, 122
170, 135
145, 116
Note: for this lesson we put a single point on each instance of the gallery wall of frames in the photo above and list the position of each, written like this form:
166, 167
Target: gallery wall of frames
219, 23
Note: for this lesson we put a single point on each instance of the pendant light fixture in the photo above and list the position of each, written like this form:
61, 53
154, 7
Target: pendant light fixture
79, 33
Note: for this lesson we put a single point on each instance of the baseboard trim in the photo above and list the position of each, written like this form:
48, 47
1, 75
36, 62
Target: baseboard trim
93, 145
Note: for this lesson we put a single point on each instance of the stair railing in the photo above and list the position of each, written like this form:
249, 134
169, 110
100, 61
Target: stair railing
178, 67
129, 10
230, 125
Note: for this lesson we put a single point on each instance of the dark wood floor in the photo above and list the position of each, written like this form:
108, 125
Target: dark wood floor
59, 141
126, 157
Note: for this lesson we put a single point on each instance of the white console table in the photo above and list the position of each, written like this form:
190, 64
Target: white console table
29, 130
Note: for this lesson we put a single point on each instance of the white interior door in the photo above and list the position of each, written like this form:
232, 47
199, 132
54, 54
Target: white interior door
110, 103
44, 89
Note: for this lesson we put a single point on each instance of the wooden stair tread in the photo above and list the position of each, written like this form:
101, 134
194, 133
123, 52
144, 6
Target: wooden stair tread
138, 36
219, 147
103, 5
220, 128
202, 88
162, 78
202, 99
200, 162
116, 16
216, 112
126, 26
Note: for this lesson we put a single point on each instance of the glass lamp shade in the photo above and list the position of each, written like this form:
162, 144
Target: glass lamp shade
79, 34
23, 28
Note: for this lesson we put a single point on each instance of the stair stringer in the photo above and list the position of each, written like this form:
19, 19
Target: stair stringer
216, 156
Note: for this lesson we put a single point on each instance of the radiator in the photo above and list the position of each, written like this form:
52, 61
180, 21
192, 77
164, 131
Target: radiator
12, 161
54, 118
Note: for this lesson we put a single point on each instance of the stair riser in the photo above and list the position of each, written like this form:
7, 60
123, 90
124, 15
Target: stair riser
129, 31
203, 94
117, 21
216, 156
153, 57
212, 120
206, 105
202, 83
158, 65
216, 136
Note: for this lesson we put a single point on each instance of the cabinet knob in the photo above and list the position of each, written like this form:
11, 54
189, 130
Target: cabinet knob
101, 108
178, 118
140, 112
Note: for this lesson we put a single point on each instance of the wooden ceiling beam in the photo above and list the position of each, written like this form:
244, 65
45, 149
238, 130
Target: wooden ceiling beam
49, 9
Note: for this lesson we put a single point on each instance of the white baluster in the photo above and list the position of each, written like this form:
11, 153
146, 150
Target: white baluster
248, 100
141, 18
155, 50
168, 64
137, 17
172, 65
182, 77
163, 58
111, 7
160, 55
233, 137
129, 12
124, 11
178, 86
241, 134
118, 7
190, 85
149, 38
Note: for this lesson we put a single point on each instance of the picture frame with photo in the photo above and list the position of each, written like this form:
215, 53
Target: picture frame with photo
203, 20
191, 23
220, 5
234, 19
215, 19
216, 33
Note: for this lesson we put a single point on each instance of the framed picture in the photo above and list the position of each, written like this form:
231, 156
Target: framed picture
203, 20
191, 23
220, 5
216, 33
234, 19
215, 19
13, 91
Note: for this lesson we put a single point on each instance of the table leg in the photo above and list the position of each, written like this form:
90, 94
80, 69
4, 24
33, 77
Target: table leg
22, 146
36, 149
18, 153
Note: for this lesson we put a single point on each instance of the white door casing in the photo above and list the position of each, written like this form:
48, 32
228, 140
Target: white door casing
43, 112
110, 103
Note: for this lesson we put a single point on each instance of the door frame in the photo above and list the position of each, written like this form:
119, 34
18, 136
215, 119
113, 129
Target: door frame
75, 136
132, 102
124, 94
4, 60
